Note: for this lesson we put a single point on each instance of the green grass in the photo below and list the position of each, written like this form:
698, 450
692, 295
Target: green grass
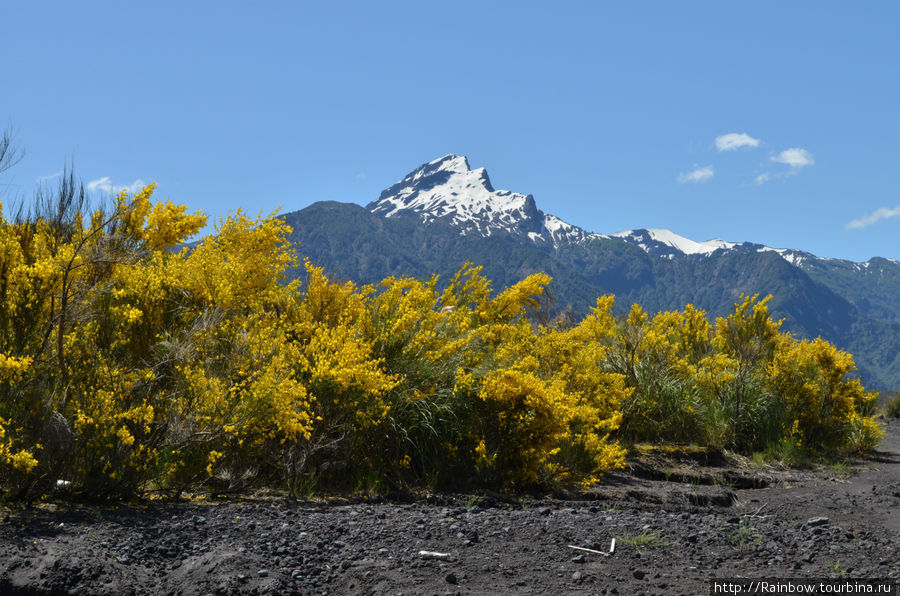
745, 537
644, 540
786, 451
891, 407
840, 468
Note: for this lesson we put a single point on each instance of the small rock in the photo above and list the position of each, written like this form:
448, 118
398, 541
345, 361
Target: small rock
576, 577
638, 574
262, 573
450, 578
578, 559
817, 521
544, 511
198, 519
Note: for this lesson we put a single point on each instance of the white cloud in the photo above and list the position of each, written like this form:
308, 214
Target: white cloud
795, 157
875, 216
697, 175
762, 178
106, 185
735, 140
361, 176
49, 177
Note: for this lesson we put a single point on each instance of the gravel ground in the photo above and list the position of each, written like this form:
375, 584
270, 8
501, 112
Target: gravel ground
678, 521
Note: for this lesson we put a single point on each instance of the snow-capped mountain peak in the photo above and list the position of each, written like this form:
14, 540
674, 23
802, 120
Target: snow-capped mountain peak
447, 190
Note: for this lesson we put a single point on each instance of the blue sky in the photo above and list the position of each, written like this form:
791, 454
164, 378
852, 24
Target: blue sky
613, 115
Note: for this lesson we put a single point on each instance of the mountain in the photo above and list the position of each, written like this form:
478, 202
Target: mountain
445, 213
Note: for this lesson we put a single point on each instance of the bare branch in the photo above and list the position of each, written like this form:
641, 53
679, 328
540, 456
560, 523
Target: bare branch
10, 155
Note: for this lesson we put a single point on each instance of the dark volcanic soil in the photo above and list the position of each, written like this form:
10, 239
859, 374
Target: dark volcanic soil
678, 521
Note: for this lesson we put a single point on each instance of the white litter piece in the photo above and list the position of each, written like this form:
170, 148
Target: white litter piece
427, 554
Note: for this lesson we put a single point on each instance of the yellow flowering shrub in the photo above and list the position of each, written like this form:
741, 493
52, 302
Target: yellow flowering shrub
12, 458
525, 419
658, 357
827, 408
593, 395
132, 361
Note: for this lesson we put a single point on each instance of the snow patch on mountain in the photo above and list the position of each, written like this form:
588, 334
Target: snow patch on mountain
794, 257
561, 231
669, 245
662, 242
